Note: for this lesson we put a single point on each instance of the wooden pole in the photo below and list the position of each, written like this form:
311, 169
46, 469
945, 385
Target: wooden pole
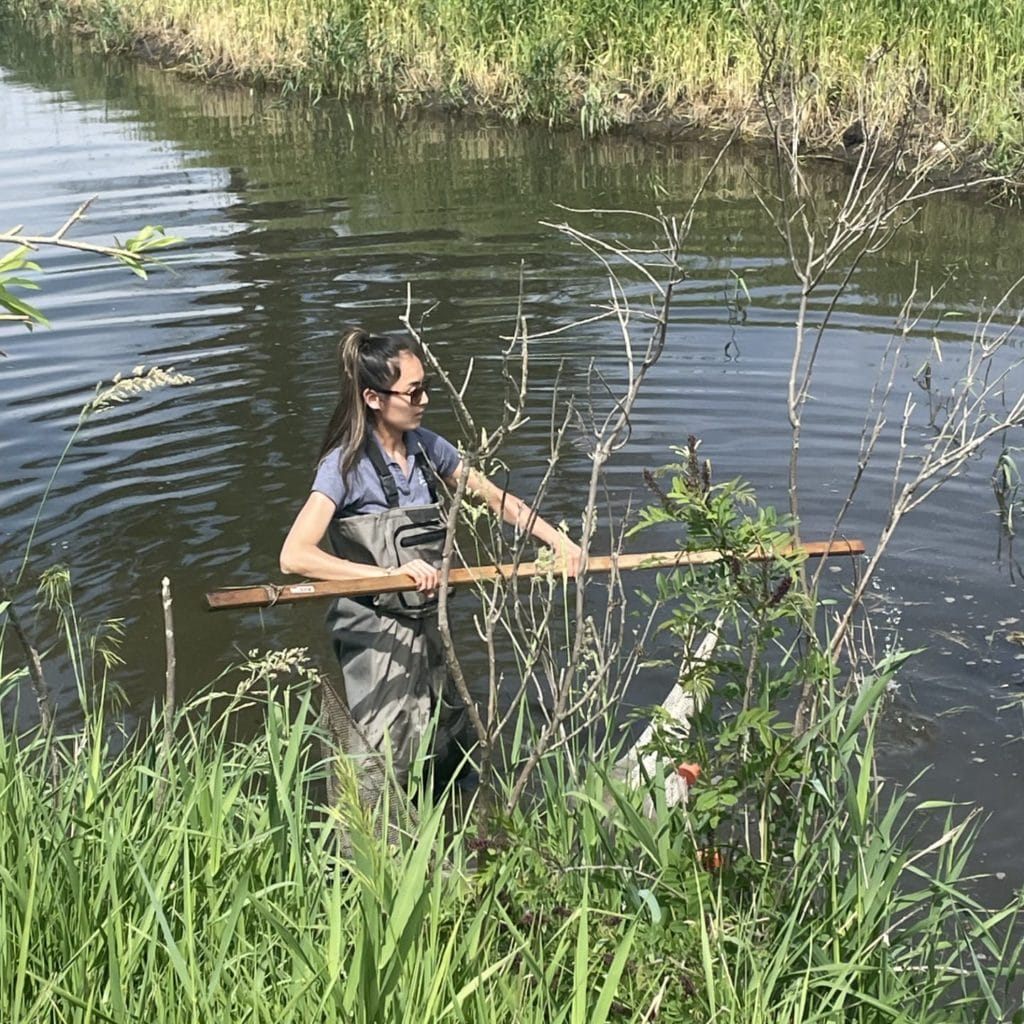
266, 595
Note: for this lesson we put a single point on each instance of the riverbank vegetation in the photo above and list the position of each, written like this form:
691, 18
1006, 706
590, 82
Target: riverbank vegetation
949, 75
195, 884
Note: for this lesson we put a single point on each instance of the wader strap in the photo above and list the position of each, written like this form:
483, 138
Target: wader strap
429, 474
387, 480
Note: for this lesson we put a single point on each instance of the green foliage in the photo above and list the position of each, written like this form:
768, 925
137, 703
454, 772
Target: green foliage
822, 909
135, 253
12, 264
764, 654
224, 899
954, 68
760, 600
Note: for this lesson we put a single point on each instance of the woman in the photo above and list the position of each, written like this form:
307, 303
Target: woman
375, 498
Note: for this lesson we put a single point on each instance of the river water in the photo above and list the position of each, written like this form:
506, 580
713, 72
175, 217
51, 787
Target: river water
296, 219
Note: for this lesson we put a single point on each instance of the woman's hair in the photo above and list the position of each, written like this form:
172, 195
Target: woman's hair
364, 361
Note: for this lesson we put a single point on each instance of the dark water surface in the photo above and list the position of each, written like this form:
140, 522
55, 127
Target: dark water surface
296, 220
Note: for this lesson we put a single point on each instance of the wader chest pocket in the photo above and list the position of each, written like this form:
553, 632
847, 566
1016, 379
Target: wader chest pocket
421, 536
390, 539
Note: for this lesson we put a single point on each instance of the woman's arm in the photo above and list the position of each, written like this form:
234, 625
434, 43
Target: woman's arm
517, 513
301, 552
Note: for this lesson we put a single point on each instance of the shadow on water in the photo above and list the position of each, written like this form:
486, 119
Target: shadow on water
299, 218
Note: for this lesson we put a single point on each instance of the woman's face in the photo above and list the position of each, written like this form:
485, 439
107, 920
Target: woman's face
401, 407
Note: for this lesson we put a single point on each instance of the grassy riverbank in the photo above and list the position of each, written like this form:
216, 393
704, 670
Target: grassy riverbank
204, 886
954, 70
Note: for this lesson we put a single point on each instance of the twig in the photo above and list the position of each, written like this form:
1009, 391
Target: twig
34, 663
14, 236
170, 696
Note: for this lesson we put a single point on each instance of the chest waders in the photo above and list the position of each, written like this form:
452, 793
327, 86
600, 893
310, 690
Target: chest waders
400, 704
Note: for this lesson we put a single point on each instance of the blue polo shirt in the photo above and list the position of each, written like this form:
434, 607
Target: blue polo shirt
361, 492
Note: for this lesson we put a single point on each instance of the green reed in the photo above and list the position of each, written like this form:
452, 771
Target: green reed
953, 72
208, 885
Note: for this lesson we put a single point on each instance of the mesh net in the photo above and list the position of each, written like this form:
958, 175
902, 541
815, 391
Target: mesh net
360, 785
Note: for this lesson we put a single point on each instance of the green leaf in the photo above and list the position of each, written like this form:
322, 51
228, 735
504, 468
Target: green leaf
581, 973
19, 308
20, 282
613, 977
653, 906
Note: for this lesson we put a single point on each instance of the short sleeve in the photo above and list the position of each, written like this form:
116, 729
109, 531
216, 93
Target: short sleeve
328, 479
443, 455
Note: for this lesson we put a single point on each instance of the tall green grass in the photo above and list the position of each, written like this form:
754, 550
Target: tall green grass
208, 886
957, 68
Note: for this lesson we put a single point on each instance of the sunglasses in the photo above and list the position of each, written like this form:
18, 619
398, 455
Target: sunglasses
414, 395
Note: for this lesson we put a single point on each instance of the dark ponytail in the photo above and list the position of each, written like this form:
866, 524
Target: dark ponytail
364, 361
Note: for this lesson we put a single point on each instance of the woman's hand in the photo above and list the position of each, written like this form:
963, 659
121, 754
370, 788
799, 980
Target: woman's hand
517, 513
427, 576
567, 557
